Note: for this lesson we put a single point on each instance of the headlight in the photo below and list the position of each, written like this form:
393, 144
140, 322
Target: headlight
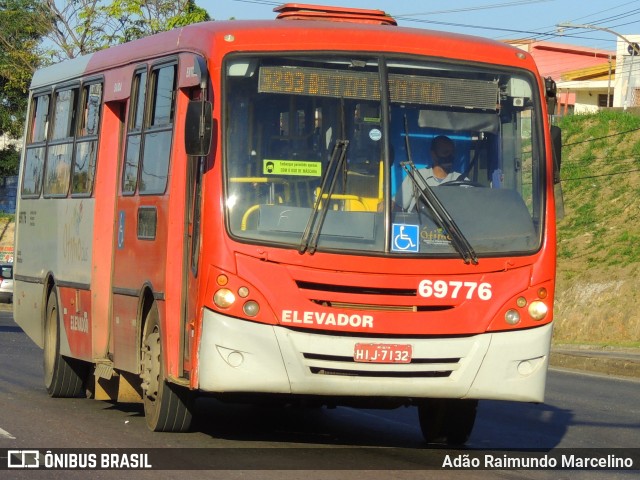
538, 310
512, 317
224, 298
251, 308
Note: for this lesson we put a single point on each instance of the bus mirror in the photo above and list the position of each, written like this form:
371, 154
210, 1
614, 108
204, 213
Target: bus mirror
559, 198
556, 146
198, 128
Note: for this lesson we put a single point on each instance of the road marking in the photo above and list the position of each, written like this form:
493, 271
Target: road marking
5, 434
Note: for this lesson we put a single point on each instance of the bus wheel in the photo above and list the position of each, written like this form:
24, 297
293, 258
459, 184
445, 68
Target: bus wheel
447, 420
167, 407
63, 377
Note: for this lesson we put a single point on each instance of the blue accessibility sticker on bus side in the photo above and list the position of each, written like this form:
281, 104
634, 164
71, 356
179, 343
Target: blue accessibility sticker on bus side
405, 238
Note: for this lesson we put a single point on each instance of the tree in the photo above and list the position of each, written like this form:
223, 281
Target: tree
84, 26
76, 28
22, 25
70, 28
9, 161
21, 28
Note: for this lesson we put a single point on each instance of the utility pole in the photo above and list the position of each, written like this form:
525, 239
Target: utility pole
609, 85
633, 50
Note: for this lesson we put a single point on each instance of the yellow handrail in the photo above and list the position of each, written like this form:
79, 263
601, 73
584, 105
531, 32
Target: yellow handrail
256, 180
245, 217
342, 196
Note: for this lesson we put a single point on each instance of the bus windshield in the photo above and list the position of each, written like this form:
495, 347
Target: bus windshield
387, 156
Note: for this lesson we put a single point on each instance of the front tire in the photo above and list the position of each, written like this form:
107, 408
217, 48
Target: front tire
167, 407
63, 377
447, 420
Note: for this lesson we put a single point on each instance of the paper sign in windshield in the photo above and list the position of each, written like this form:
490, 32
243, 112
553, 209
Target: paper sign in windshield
292, 167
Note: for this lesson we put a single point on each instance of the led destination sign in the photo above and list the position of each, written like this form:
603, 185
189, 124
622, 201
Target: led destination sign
451, 92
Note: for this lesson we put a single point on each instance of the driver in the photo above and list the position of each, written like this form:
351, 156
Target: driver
441, 171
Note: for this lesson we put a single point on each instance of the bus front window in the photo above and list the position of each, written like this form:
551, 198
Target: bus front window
310, 160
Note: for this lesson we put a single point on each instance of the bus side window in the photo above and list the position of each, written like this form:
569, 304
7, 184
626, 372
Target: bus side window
84, 165
134, 134
158, 134
59, 153
37, 136
149, 139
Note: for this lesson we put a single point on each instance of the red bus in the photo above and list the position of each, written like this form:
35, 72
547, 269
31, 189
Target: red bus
242, 209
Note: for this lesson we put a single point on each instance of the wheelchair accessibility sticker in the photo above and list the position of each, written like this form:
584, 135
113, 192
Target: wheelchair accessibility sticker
405, 238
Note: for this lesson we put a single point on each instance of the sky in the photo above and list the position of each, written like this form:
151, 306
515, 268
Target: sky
496, 19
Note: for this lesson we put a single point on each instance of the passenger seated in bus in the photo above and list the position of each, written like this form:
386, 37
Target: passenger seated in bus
441, 171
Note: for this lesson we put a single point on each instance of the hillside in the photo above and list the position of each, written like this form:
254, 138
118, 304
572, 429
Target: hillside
599, 238
598, 292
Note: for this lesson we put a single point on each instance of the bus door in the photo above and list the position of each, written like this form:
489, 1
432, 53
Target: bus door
117, 91
142, 205
193, 83
195, 170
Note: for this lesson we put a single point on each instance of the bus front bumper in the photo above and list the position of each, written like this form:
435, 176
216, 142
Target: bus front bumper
241, 356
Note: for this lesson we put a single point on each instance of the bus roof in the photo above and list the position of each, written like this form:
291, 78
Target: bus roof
285, 35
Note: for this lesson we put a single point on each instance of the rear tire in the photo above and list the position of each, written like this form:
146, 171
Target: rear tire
167, 407
63, 377
447, 420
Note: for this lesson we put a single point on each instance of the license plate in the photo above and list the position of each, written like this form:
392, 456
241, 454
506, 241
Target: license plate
382, 353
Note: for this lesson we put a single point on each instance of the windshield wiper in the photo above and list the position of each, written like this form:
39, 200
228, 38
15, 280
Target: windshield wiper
440, 213
309, 240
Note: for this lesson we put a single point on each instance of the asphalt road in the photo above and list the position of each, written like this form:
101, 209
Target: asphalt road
581, 411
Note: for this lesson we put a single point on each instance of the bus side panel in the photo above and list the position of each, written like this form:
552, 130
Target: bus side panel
28, 309
74, 220
125, 333
139, 262
76, 318
57, 234
28, 296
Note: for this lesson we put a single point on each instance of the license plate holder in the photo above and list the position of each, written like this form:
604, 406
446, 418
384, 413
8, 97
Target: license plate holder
382, 353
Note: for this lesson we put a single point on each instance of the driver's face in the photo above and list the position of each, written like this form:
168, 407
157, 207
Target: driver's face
444, 155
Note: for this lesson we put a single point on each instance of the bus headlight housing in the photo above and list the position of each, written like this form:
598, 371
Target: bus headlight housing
224, 298
538, 310
512, 317
251, 308
236, 297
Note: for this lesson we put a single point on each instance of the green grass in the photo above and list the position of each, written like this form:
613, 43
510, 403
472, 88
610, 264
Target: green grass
597, 203
599, 238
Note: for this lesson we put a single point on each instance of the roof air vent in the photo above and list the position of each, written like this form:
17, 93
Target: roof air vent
301, 11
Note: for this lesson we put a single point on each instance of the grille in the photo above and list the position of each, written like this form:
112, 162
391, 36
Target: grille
325, 287
373, 298
380, 374
320, 364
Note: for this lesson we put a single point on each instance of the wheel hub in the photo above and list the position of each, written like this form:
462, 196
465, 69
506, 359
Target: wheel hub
151, 365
